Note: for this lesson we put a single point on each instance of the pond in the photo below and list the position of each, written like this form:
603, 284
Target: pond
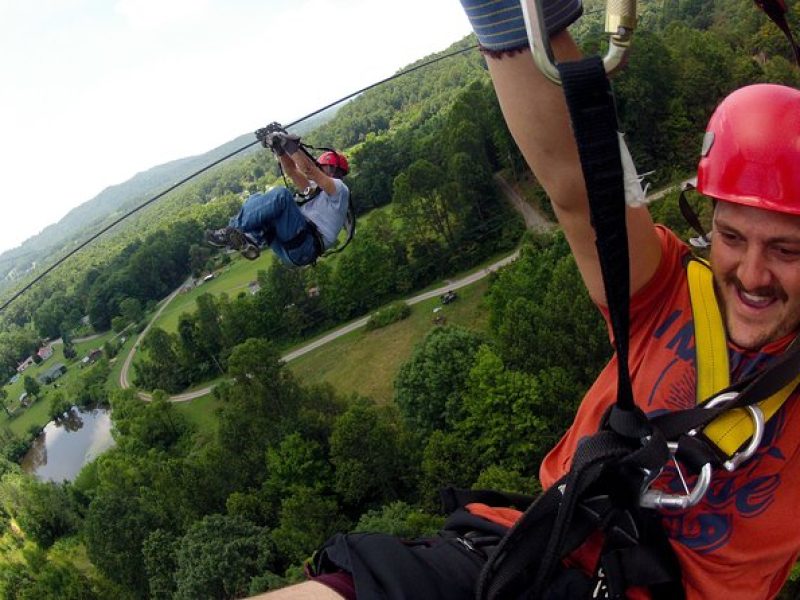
65, 446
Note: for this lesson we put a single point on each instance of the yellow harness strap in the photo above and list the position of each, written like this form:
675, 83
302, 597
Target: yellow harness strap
732, 429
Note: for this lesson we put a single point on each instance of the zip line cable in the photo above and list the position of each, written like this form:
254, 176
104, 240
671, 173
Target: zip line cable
174, 186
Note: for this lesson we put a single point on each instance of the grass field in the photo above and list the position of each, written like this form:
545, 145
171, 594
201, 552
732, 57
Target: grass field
231, 279
366, 362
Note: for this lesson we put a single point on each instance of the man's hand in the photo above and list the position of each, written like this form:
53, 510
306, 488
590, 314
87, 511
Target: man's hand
273, 141
289, 141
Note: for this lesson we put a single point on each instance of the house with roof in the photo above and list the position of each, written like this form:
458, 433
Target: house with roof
45, 352
53, 373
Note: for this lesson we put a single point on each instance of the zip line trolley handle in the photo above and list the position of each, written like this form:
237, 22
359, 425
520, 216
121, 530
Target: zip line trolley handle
620, 24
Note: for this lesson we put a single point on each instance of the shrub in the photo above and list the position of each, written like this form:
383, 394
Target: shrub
392, 313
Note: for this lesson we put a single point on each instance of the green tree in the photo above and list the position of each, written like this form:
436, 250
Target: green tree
4, 400
429, 386
44, 511
116, 526
368, 453
401, 520
218, 557
31, 386
160, 368
307, 519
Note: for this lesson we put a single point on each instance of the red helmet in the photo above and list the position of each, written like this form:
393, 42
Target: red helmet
334, 158
751, 151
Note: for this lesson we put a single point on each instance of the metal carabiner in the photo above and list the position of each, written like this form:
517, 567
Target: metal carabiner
757, 415
620, 23
657, 499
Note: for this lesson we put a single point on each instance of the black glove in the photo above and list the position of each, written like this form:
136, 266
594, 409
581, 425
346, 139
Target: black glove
263, 134
289, 141
273, 142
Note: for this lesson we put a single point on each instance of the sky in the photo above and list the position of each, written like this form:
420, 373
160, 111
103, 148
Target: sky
94, 91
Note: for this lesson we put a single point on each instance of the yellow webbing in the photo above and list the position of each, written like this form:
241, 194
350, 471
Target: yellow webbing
732, 429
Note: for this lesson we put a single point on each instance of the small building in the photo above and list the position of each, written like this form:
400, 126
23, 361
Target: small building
24, 364
253, 287
53, 373
23, 399
45, 352
209, 277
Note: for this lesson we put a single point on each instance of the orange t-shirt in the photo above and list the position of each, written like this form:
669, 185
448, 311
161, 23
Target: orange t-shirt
741, 541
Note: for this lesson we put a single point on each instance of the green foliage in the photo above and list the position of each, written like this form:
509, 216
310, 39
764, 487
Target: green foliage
307, 519
218, 556
429, 386
367, 451
449, 459
391, 314
159, 550
44, 511
495, 477
140, 426
399, 519
40, 579
31, 386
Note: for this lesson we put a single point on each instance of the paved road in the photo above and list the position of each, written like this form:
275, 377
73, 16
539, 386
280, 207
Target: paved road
533, 220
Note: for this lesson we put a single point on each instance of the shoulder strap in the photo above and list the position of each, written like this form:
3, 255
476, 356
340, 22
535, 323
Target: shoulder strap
711, 348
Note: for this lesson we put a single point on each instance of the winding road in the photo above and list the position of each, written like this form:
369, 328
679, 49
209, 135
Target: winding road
533, 220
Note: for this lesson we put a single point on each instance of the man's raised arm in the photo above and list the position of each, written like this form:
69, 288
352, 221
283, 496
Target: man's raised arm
536, 114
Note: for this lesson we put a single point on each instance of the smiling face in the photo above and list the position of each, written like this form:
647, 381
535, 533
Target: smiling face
755, 257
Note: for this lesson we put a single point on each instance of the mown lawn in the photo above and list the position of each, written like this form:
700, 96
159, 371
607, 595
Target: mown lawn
231, 279
366, 362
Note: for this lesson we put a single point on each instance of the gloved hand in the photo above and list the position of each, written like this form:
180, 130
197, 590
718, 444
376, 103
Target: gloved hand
273, 142
264, 133
500, 26
289, 141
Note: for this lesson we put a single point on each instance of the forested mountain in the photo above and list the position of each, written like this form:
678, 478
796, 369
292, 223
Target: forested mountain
176, 512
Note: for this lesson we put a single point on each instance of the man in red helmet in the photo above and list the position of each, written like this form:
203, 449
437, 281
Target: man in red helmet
298, 233
735, 543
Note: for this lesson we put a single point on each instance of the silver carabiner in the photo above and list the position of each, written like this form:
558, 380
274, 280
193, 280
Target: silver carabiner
757, 415
657, 499
620, 23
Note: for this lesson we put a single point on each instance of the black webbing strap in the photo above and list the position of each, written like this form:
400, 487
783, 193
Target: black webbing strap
594, 122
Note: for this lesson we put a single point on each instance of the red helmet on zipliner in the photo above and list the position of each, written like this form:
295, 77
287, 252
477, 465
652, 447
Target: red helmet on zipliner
335, 159
751, 150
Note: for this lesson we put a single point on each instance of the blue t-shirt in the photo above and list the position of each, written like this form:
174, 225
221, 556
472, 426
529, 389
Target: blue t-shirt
328, 212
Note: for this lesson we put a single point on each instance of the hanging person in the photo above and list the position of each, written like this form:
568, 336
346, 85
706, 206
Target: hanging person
298, 233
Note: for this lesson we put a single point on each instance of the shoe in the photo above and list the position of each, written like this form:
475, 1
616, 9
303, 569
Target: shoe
220, 238
230, 237
238, 240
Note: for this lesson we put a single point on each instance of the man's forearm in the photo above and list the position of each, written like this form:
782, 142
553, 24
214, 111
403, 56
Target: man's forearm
291, 169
